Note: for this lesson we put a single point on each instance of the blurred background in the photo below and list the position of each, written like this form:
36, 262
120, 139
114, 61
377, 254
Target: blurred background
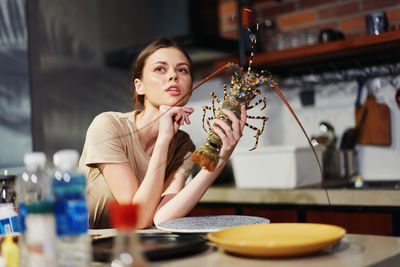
62, 62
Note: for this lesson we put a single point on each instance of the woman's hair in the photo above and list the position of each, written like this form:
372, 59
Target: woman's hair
138, 64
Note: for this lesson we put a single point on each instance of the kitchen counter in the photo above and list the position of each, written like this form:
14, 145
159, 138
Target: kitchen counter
303, 196
353, 250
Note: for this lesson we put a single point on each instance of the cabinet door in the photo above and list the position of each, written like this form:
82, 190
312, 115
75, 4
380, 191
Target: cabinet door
274, 215
372, 223
209, 210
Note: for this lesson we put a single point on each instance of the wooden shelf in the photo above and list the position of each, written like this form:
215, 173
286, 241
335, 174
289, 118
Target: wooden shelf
367, 49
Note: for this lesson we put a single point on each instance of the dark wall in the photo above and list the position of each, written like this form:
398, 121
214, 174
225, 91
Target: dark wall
15, 123
70, 83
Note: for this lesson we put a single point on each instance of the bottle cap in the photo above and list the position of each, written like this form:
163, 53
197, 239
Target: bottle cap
66, 159
123, 216
33, 160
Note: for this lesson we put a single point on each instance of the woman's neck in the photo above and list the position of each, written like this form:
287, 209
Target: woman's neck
147, 125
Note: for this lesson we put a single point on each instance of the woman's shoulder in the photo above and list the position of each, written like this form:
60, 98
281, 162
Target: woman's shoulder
112, 121
112, 117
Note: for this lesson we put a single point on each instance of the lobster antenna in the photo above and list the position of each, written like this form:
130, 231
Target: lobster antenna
248, 19
253, 40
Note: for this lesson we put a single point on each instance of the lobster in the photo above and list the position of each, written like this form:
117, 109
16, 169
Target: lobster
243, 90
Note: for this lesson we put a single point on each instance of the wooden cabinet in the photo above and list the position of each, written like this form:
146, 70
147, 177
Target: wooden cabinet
355, 219
373, 223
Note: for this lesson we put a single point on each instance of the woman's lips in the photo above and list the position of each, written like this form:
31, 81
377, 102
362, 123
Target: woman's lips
173, 90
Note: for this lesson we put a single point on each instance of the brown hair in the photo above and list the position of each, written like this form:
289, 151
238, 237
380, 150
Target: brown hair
138, 64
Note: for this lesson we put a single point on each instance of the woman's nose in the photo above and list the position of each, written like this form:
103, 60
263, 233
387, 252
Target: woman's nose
173, 76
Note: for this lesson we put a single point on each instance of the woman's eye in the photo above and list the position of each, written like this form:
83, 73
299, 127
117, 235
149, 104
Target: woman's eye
159, 69
183, 70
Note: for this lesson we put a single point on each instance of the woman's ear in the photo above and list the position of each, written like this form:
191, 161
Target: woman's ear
138, 86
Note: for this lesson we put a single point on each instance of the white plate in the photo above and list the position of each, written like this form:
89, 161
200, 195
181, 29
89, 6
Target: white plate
206, 224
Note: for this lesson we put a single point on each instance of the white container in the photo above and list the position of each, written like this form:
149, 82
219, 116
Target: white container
276, 167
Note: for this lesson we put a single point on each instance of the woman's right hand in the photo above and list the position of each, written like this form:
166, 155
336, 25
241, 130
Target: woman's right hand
230, 135
171, 118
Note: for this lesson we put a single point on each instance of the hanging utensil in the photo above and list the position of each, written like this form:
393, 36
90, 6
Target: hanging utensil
376, 129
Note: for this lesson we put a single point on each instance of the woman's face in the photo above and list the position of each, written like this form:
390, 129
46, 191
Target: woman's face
166, 78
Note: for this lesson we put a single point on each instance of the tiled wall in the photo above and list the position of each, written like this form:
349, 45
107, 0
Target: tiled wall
347, 16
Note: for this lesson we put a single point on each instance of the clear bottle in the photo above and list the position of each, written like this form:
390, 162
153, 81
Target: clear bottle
73, 243
40, 235
35, 204
126, 250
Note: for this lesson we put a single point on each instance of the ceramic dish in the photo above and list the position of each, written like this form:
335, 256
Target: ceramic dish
277, 239
206, 224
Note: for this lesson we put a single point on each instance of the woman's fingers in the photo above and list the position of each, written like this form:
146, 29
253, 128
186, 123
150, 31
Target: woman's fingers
237, 125
179, 115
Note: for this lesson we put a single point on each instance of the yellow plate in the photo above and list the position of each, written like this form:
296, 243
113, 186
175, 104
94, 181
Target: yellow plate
277, 239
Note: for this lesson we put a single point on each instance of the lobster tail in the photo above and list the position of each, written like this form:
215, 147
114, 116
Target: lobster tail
204, 158
208, 154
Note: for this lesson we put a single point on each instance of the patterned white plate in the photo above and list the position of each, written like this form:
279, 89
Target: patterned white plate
206, 224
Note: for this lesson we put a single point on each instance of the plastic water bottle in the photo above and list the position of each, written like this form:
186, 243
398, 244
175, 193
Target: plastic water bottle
73, 243
36, 217
126, 250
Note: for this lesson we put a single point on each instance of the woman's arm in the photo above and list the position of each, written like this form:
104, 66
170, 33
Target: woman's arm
178, 200
122, 180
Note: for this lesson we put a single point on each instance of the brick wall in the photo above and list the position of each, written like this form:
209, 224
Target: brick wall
347, 16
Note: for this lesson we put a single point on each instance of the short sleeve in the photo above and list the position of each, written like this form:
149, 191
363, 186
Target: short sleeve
103, 141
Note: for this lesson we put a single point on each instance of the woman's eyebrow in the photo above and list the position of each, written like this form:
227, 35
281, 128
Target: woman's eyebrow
166, 63
160, 62
183, 63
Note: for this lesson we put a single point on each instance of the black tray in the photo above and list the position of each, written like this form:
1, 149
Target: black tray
155, 246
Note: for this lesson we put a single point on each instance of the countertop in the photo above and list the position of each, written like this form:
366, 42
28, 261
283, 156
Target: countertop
303, 196
353, 250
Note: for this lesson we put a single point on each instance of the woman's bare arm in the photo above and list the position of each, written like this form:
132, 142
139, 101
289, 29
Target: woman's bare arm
178, 200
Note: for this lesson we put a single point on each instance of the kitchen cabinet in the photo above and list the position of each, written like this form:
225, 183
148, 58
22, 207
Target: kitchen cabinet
356, 220
354, 52
362, 211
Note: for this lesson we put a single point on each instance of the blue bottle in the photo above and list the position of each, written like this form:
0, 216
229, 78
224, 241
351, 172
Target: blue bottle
69, 186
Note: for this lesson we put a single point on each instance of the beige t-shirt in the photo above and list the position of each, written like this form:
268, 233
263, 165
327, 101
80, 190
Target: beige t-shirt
112, 138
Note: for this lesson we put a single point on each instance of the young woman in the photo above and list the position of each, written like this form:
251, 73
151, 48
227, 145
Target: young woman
141, 156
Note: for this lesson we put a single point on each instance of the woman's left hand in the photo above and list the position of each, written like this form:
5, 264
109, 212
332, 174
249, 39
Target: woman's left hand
230, 135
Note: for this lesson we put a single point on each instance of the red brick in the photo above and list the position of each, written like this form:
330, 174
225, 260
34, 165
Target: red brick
297, 19
277, 9
353, 23
393, 14
329, 25
375, 4
314, 3
339, 10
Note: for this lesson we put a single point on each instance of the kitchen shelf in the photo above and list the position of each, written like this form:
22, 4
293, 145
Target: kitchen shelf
352, 52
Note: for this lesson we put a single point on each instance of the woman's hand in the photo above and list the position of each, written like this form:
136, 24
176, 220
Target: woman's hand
171, 118
230, 135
